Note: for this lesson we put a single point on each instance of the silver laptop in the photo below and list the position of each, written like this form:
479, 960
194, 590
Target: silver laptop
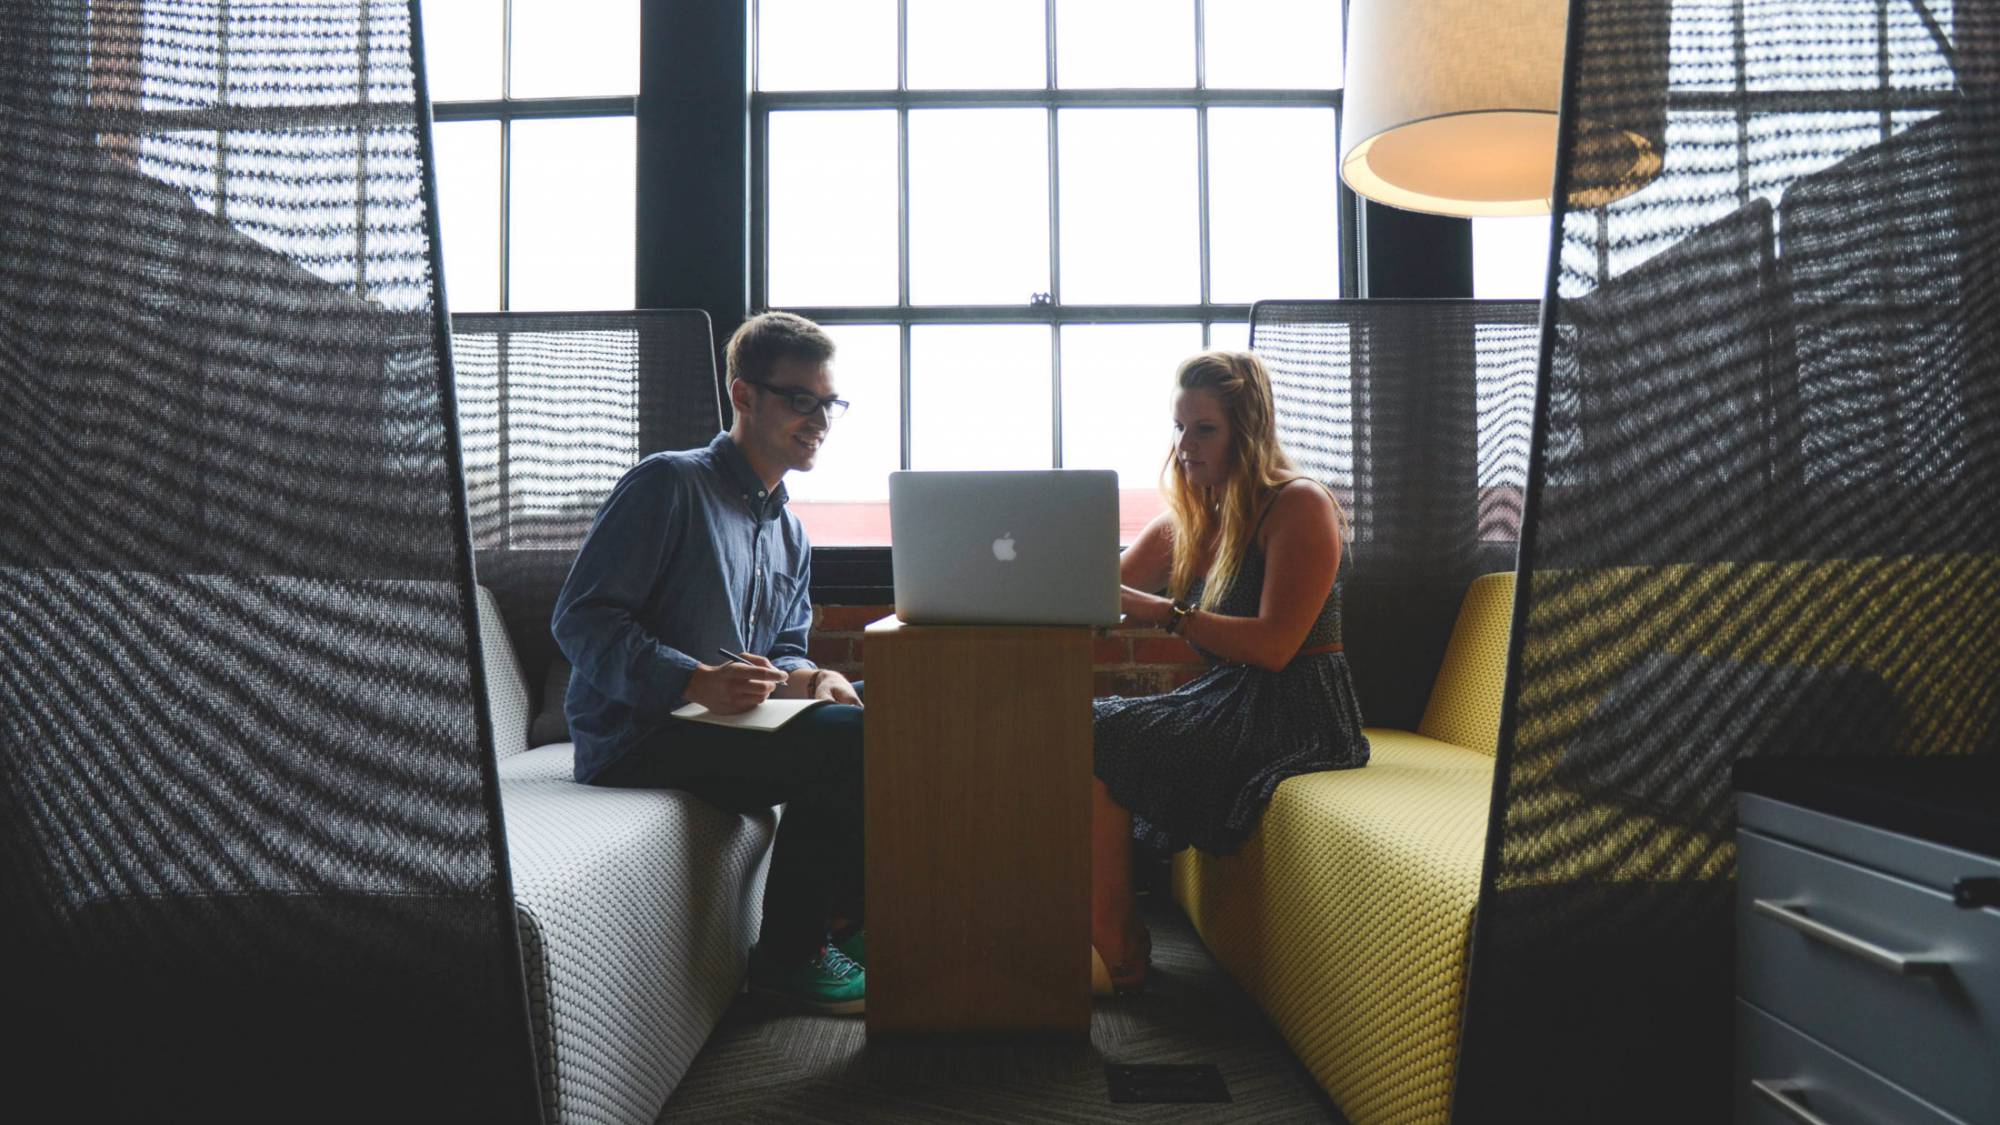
1005, 548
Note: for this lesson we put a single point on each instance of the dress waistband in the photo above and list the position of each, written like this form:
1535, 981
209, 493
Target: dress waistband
1321, 650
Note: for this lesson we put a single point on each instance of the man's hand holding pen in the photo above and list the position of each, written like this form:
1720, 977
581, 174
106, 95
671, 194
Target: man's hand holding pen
740, 682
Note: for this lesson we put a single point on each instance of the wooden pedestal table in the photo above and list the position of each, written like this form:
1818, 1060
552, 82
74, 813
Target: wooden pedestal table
978, 820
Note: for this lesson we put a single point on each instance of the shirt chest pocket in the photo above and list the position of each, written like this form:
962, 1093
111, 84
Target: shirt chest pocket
776, 606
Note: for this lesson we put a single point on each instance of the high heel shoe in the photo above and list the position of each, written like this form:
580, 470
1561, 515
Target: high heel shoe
1126, 977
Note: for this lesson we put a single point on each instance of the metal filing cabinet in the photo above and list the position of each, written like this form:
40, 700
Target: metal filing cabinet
1868, 948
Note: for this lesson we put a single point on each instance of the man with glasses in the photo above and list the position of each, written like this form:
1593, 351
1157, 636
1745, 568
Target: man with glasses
693, 561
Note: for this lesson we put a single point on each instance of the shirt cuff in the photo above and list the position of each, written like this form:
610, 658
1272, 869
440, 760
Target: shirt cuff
793, 663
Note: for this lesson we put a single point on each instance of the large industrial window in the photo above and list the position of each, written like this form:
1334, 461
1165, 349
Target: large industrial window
1015, 217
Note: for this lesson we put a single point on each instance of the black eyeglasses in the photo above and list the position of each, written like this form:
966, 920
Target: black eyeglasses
803, 402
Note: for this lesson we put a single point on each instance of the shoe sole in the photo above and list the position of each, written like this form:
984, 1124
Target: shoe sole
823, 1007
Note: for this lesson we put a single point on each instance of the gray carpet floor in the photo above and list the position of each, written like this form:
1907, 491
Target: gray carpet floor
770, 1063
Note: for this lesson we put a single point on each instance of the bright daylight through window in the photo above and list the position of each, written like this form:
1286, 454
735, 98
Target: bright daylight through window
535, 150
1014, 238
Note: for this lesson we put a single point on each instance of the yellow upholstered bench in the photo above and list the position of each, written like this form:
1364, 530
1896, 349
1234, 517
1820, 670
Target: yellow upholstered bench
1348, 915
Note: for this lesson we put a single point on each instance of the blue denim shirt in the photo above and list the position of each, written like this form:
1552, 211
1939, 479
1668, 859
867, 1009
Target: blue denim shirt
686, 556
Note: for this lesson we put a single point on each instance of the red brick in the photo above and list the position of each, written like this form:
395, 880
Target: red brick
1163, 650
1110, 650
851, 618
829, 651
856, 659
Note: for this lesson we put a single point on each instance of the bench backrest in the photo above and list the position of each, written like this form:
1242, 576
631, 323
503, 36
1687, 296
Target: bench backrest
1464, 707
507, 699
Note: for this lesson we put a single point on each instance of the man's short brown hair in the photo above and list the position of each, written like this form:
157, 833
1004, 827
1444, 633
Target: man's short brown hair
755, 348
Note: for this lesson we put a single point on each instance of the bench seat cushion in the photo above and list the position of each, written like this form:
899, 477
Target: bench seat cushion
637, 908
1347, 916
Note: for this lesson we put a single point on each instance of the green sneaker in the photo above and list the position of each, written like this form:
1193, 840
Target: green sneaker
855, 946
830, 983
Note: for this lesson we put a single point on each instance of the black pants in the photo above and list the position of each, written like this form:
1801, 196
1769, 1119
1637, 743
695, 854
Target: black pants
812, 766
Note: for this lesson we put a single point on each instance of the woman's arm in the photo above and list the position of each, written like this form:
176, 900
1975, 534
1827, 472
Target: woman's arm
1149, 561
1301, 556
1143, 569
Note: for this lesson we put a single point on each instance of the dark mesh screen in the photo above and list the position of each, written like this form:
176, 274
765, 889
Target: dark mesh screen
250, 849
1761, 514
554, 408
1418, 414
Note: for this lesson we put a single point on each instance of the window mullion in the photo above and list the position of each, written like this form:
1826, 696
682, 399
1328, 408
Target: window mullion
1201, 147
903, 218
903, 209
903, 330
506, 150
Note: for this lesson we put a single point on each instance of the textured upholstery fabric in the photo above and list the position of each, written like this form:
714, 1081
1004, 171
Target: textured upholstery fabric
1769, 436
251, 861
642, 905
506, 691
1417, 413
1348, 914
1464, 708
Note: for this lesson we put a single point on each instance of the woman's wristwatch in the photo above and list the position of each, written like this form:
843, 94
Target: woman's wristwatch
1176, 613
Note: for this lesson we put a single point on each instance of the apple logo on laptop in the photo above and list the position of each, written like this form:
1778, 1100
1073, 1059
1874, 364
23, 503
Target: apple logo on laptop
1003, 547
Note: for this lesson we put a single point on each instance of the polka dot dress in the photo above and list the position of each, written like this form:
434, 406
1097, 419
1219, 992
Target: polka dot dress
1198, 764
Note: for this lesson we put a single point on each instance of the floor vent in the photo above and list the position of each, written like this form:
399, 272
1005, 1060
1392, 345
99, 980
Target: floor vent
1198, 1082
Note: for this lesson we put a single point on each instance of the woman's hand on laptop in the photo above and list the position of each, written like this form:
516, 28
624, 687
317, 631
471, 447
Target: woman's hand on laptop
733, 688
1142, 608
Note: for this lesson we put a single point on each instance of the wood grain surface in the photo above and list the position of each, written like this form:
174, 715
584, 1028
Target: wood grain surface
978, 821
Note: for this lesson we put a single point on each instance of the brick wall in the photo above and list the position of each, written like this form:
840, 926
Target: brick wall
1127, 661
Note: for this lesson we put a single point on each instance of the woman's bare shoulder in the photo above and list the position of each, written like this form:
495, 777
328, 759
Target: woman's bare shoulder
1296, 504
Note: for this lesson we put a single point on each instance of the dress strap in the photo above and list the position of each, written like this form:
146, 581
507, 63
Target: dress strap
1273, 501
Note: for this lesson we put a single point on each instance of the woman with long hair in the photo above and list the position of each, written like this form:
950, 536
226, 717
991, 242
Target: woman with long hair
1246, 553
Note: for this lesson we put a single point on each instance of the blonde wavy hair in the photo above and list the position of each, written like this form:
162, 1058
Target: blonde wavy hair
1225, 515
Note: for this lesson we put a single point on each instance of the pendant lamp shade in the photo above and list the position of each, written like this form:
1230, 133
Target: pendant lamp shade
1451, 108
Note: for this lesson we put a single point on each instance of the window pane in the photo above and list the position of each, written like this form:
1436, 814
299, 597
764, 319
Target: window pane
462, 48
844, 501
832, 223
979, 397
571, 215
1230, 336
1125, 44
1510, 257
979, 206
1273, 44
1273, 209
468, 178
993, 45
574, 48
1129, 206
826, 44
1117, 392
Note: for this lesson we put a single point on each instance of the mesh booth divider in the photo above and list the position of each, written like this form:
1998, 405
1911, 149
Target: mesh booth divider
1417, 413
251, 857
1760, 511
554, 408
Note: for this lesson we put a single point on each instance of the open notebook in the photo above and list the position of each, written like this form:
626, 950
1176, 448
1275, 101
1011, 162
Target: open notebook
768, 715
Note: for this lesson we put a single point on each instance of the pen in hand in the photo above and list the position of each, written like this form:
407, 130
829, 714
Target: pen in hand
736, 657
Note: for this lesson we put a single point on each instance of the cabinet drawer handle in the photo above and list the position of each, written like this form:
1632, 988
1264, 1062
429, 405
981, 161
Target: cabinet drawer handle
1784, 1096
1793, 915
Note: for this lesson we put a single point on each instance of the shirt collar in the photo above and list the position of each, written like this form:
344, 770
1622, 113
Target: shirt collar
738, 475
